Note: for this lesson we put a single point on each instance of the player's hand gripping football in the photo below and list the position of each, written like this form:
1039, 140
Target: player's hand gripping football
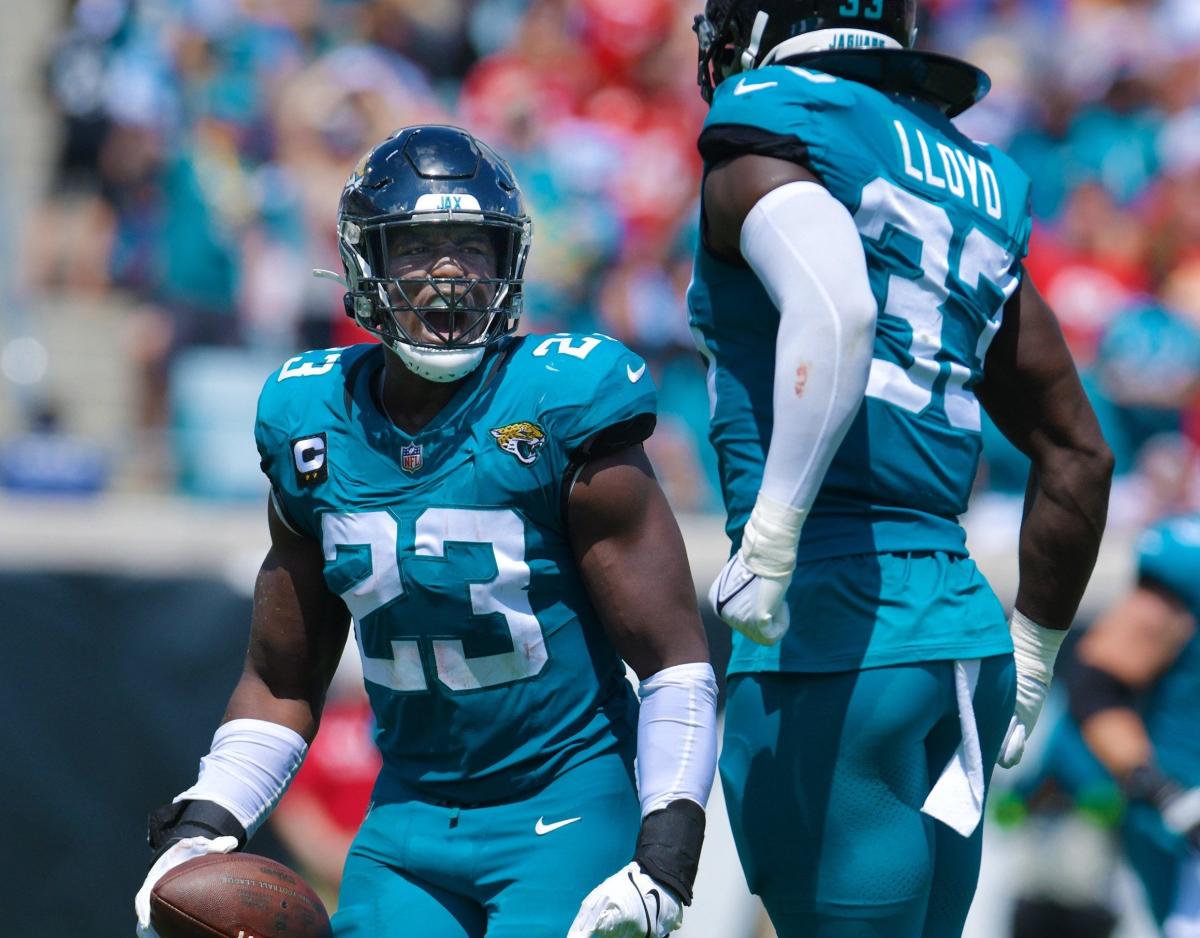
177, 853
629, 904
750, 602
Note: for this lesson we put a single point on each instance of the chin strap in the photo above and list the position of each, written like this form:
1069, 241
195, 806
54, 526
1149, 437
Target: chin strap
756, 34
321, 274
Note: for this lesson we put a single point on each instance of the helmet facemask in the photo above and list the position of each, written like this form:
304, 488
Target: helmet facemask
439, 325
719, 57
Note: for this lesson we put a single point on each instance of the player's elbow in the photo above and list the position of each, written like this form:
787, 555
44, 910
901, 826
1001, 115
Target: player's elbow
1102, 463
1093, 463
857, 312
1083, 464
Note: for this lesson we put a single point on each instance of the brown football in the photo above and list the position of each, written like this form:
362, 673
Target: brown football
236, 895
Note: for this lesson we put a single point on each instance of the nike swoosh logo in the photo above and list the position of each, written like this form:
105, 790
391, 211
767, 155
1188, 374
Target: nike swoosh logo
652, 923
743, 88
635, 376
724, 600
541, 827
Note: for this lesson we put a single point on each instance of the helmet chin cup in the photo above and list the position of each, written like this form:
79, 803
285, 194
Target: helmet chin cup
439, 365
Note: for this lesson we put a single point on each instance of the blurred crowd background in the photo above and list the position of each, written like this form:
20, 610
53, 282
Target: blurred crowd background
199, 147
187, 156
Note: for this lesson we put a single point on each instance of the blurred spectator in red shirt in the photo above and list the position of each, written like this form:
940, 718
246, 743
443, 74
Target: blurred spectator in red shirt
1090, 266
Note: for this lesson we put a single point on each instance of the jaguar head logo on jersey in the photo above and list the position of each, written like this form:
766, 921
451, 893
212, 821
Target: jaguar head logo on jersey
523, 440
309, 456
410, 457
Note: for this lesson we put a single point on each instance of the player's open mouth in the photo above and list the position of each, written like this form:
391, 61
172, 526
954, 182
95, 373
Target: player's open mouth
447, 314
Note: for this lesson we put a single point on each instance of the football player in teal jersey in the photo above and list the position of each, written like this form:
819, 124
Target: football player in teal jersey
1136, 697
479, 504
858, 294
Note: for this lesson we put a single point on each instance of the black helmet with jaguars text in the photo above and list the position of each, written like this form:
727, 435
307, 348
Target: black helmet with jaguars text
864, 40
432, 175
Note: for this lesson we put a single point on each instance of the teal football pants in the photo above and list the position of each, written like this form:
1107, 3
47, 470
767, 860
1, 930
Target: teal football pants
513, 870
824, 778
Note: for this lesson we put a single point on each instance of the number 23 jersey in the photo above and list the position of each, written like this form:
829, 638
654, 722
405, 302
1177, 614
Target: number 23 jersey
487, 668
944, 223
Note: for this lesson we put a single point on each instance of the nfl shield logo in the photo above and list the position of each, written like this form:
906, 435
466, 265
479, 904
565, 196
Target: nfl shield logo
410, 457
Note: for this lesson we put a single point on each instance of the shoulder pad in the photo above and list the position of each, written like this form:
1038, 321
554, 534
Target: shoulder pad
779, 97
587, 383
313, 374
299, 395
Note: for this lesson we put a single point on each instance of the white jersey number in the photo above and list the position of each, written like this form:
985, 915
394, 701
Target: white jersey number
297, 367
920, 302
565, 345
506, 594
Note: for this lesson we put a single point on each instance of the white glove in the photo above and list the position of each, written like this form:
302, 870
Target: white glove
1031, 694
750, 603
1034, 649
177, 853
629, 904
751, 592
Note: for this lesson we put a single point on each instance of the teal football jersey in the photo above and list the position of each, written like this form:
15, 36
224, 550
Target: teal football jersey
944, 223
486, 665
1169, 554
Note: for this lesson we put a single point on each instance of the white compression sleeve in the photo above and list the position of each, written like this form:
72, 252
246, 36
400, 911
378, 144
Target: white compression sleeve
677, 735
805, 249
250, 765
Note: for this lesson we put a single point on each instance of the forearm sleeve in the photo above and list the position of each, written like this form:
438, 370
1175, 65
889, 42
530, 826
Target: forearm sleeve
677, 736
249, 767
805, 249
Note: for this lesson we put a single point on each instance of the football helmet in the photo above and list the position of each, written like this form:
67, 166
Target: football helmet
423, 176
864, 40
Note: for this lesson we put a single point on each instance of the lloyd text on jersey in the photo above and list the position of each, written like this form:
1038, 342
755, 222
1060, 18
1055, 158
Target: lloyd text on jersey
965, 176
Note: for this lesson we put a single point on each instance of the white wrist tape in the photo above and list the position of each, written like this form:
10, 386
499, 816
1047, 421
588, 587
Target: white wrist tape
677, 736
250, 765
806, 251
1034, 647
770, 537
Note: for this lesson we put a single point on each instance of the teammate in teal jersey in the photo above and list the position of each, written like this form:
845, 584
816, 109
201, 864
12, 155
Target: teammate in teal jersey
480, 505
858, 294
1136, 697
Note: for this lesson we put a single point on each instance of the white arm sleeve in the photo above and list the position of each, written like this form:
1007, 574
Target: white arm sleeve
250, 765
805, 249
677, 735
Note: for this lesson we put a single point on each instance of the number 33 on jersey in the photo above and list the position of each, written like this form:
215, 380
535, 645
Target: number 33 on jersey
449, 549
944, 223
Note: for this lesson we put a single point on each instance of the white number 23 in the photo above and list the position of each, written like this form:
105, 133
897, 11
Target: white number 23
506, 594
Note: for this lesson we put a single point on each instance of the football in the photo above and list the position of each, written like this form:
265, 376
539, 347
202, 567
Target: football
236, 895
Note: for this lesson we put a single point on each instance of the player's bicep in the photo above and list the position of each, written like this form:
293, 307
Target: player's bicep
297, 633
734, 187
1139, 638
1030, 386
631, 554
